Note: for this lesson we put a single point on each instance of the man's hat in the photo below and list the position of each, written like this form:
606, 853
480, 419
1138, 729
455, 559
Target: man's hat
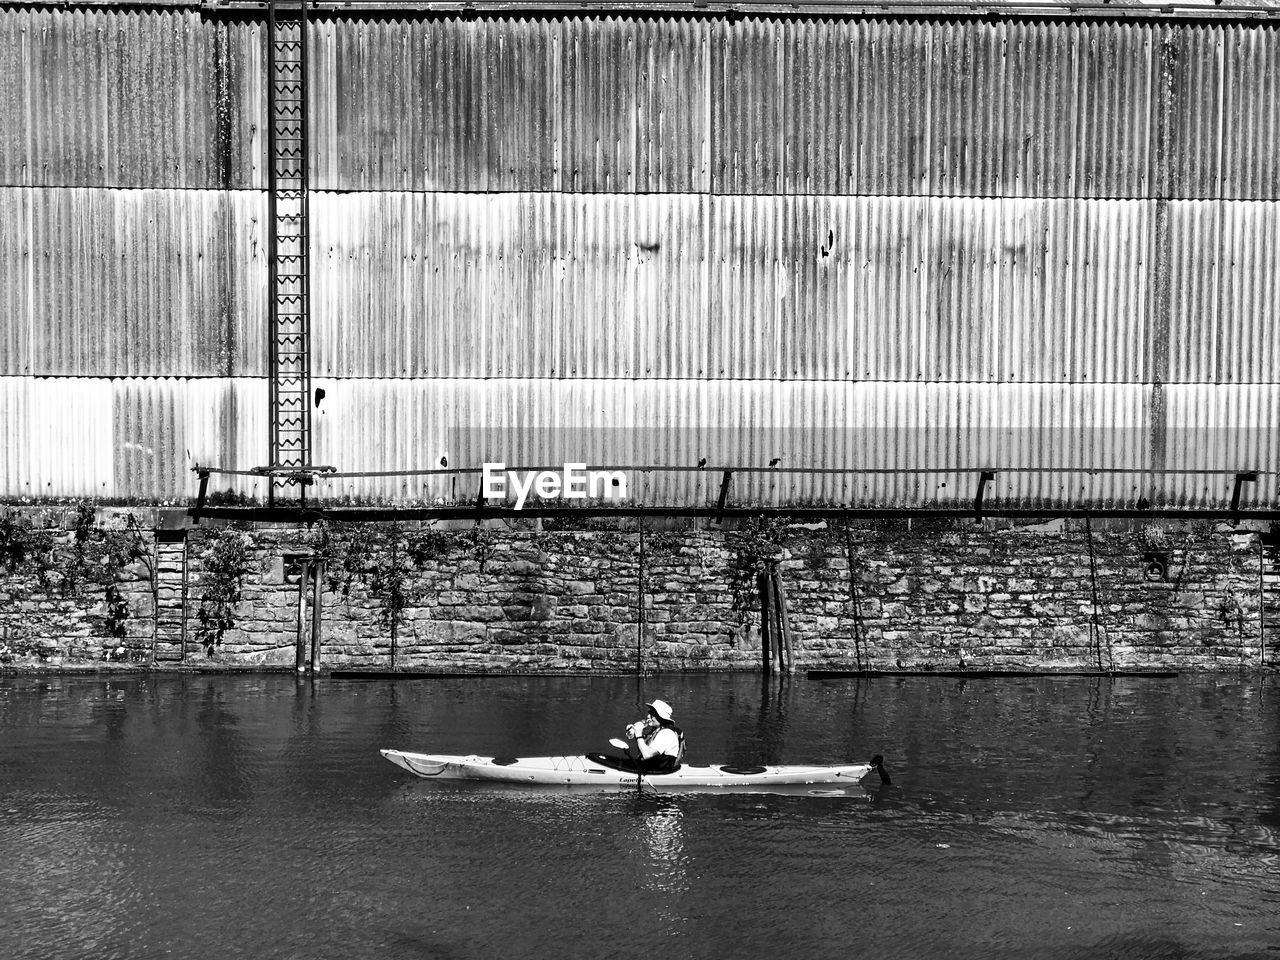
661, 708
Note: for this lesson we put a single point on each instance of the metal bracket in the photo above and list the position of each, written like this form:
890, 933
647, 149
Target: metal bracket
200, 496
480, 500
983, 479
1247, 476
724, 494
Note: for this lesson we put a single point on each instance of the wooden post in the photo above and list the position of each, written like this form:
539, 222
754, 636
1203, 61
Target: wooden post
853, 596
317, 613
395, 614
640, 604
1093, 585
775, 618
300, 646
784, 615
766, 641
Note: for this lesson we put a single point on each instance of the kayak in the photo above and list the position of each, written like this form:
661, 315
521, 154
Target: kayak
596, 770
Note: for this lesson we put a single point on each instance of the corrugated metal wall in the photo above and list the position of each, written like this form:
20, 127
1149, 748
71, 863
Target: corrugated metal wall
871, 243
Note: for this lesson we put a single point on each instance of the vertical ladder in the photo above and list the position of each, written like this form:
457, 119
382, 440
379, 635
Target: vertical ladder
169, 644
289, 367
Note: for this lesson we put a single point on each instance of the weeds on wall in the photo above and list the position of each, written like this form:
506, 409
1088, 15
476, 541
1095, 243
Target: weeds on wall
23, 545
95, 555
757, 541
225, 562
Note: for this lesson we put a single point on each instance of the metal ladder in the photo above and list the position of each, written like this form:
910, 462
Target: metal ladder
169, 641
288, 255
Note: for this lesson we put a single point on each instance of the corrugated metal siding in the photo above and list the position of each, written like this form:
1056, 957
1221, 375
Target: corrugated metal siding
1223, 427
673, 107
16, 281
58, 438
93, 437
598, 109
870, 107
165, 427
1251, 114
1190, 60
543, 269
133, 282
140, 437
107, 98
871, 288
1098, 110
1225, 291
407, 425
436, 105
907, 108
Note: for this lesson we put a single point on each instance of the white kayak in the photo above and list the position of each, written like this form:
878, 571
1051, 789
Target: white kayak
596, 770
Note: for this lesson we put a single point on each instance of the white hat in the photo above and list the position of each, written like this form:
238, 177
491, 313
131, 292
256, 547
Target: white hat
661, 708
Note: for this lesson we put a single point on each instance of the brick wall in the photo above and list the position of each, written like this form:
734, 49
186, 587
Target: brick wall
887, 595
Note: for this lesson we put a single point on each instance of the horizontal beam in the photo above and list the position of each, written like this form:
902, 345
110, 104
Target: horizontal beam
1226, 11
332, 473
282, 514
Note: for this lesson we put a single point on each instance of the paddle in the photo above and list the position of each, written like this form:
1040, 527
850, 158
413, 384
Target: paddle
620, 744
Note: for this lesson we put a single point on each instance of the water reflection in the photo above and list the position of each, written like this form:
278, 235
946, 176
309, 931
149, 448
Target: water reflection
252, 816
661, 834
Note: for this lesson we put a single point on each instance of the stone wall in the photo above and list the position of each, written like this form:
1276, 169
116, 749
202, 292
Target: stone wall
886, 596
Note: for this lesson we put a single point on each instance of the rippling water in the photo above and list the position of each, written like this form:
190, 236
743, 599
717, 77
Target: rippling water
232, 816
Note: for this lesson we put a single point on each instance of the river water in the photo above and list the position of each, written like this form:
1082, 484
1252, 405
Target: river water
251, 816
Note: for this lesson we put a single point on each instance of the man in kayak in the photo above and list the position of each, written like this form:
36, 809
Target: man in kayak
655, 743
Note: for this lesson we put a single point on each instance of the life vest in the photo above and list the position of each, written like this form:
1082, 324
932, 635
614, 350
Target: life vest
680, 737
665, 763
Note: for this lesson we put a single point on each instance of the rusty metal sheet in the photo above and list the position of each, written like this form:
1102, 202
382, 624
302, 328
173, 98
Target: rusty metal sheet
17, 287
442, 104
1189, 58
953, 108
135, 282
1113, 111
673, 106
598, 83
130, 99
1251, 113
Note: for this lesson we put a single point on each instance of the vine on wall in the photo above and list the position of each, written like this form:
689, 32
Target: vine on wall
226, 563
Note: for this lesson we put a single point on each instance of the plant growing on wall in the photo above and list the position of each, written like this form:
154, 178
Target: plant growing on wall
23, 545
225, 562
82, 532
119, 548
758, 540
379, 556
387, 573
483, 543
